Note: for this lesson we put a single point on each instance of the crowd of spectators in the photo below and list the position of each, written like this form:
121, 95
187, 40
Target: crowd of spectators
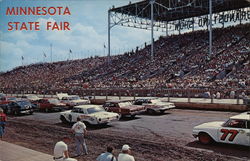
180, 61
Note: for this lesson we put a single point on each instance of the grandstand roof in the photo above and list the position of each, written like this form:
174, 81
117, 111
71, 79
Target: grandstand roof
171, 10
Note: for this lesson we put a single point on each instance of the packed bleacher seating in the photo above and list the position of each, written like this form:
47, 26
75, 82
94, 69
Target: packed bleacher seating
181, 61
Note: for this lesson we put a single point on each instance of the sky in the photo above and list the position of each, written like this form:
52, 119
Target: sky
88, 34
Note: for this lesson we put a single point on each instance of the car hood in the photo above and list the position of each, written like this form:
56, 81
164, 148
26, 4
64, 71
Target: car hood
79, 101
215, 124
104, 114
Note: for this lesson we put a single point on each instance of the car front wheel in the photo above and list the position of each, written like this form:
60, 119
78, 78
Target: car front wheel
204, 138
62, 118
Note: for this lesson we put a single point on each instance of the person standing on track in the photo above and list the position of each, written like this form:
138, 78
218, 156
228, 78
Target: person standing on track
79, 130
125, 155
3, 119
61, 150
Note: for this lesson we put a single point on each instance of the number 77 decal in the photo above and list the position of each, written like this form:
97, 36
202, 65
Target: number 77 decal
226, 132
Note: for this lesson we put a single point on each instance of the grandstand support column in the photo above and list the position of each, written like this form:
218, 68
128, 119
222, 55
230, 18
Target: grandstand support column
109, 36
152, 29
193, 24
210, 27
166, 28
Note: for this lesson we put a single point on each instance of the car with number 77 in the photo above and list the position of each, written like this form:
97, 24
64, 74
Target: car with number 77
236, 130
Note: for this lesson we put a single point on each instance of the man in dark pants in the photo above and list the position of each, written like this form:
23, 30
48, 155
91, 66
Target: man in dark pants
79, 130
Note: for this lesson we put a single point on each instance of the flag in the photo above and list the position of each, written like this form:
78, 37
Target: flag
22, 58
44, 54
70, 51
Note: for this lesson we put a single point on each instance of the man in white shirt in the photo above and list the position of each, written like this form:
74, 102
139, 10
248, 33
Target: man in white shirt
125, 155
79, 129
61, 150
107, 156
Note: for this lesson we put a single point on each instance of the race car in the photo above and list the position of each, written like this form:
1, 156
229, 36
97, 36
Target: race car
124, 108
154, 106
90, 114
49, 104
72, 100
234, 131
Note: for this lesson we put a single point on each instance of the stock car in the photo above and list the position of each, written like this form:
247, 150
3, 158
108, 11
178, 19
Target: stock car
124, 108
154, 106
31, 97
236, 130
90, 114
7, 99
49, 104
72, 100
18, 107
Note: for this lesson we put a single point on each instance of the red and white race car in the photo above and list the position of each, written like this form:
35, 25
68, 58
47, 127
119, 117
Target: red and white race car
234, 131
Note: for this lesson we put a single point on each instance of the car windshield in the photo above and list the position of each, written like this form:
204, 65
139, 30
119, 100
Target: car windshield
23, 103
235, 123
12, 98
123, 104
74, 98
94, 110
54, 101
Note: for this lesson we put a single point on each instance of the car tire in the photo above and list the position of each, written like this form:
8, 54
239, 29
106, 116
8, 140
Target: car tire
15, 112
62, 118
150, 111
132, 116
204, 138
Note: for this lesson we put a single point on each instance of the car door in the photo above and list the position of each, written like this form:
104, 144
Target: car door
114, 107
234, 131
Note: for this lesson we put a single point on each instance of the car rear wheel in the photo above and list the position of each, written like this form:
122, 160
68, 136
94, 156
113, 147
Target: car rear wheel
204, 138
132, 116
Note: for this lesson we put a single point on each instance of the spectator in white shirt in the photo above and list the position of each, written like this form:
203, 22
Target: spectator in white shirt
125, 155
61, 150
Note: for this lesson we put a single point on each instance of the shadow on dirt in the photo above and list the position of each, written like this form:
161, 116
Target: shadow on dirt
225, 149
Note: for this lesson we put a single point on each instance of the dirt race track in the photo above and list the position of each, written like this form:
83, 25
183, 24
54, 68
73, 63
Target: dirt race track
152, 138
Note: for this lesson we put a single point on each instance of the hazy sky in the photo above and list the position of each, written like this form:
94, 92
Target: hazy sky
88, 23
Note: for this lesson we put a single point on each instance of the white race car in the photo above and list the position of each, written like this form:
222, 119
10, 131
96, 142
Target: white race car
234, 131
90, 114
72, 100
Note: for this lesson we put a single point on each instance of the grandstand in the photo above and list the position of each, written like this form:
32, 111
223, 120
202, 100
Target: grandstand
180, 61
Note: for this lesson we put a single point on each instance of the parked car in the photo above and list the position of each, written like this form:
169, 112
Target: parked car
49, 104
31, 97
7, 99
2, 95
124, 108
236, 130
154, 106
19, 107
246, 100
72, 100
90, 114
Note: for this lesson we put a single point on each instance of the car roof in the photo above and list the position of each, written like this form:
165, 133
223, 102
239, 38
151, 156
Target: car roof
242, 116
86, 106
117, 101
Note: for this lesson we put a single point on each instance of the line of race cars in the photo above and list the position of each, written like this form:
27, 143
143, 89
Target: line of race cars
234, 131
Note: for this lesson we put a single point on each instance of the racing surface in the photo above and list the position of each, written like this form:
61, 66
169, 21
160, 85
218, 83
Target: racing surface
152, 138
